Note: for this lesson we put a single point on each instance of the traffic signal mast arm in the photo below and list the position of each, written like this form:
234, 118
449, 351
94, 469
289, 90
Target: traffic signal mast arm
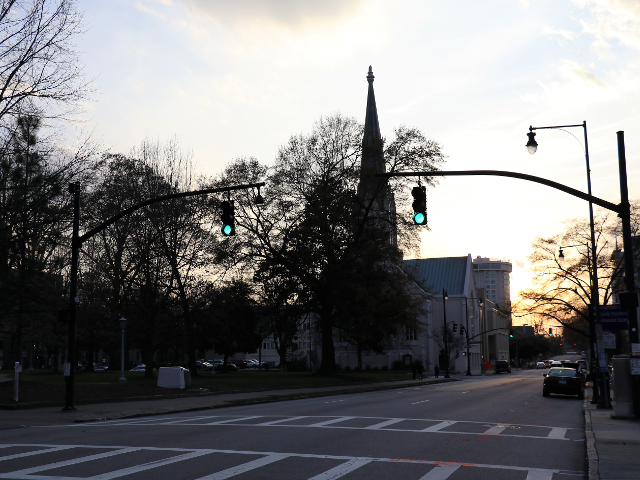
486, 331
620, 209
151, 201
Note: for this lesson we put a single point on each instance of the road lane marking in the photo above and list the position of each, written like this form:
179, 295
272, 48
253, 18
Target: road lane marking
329, 422
384, 424
342, 470
533, 473
539, 474
438, 427
557, 433
497, 430
224, 422
441, 472
26, 473
421, 401
275, 422
245, 467
35, 452
146, 466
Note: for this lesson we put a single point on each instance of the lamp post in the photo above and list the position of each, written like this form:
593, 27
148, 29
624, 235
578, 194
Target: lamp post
466, 331
123, 324
445, 295
532, 147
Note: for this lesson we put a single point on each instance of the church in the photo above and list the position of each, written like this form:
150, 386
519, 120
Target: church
473, 292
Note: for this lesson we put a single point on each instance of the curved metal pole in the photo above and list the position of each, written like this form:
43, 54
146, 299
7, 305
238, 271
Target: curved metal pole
502, 173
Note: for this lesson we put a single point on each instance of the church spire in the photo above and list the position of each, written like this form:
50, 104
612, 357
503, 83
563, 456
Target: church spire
372, 156
371, 125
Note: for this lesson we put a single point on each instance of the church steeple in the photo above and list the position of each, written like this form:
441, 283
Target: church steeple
372, 190
371, 125
372, 161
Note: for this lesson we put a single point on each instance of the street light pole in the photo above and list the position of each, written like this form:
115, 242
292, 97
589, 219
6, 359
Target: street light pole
595, 294
466, 331
444, 332
123, 324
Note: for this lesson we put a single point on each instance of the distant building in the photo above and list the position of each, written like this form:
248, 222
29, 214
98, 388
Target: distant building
493, 275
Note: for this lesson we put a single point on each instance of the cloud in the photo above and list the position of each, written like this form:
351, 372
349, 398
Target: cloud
567, 34
578, 74
290, 14
519, 264
612, 20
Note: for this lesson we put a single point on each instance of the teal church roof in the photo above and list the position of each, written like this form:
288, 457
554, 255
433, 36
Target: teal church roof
434, 274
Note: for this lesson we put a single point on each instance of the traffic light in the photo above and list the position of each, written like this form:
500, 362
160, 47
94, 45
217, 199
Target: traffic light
419, 205
551, 332
455, 327
228, 224
461, 329
510, 333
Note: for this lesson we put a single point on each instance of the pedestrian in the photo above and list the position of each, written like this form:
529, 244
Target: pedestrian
420, 370
436, 371
413, 369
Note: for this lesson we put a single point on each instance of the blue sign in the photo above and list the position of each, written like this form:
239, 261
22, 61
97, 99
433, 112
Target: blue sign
613, 318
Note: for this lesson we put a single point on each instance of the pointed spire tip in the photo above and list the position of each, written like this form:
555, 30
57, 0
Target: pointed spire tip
370, 76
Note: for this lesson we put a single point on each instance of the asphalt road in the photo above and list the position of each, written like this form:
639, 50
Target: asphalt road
494, 427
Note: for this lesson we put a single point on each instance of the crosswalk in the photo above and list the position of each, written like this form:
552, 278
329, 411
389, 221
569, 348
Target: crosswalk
416, 425
23, 462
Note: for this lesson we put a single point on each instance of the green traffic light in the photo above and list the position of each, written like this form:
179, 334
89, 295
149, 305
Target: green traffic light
227, 229
418, 218
551, 334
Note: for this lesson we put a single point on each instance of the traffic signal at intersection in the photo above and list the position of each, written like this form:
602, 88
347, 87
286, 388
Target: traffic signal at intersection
455, 327
419, 205
228, 222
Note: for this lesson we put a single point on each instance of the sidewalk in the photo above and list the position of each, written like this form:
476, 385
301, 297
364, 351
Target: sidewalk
116, 410
613, 445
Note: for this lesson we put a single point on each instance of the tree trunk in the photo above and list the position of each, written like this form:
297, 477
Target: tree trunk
328, 361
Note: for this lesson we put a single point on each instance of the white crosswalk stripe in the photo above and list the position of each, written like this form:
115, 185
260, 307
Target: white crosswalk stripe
434, 426
439, 471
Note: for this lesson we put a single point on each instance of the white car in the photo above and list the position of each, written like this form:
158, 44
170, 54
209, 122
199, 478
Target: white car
139, 368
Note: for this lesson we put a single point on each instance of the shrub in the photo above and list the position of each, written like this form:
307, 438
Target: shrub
347, 368
376, 368
384, 367
398, 365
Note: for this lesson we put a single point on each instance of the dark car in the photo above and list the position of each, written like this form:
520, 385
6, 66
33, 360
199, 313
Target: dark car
565, 381
503, 366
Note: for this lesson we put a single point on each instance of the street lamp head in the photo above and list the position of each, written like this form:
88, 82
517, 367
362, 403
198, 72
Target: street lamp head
532, 145
445, 294
123, 323
259, 200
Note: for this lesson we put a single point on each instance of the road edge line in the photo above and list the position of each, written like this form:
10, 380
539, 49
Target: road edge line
592, 452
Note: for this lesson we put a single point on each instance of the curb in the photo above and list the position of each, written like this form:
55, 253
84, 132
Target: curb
592, 452
258, 400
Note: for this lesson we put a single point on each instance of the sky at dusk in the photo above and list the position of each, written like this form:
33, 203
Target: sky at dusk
238, 78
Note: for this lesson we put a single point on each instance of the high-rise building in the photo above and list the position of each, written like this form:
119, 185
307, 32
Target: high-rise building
493, 275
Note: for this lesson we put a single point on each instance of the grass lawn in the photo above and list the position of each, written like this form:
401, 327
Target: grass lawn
43, 386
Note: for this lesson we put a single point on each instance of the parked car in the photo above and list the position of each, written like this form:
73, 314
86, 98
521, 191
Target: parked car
565, 381
202, 365
230, 367
100, 368
541, 365
139, 368
503, 366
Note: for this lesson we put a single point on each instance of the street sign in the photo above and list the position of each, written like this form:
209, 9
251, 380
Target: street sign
635, 366
613, 318
635, 349
67, 369
609, 340
602, 361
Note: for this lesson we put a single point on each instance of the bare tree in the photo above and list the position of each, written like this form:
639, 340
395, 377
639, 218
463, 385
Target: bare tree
313, 222
562, 291
39, 68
